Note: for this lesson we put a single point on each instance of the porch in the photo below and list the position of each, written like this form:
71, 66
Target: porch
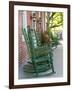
58, 66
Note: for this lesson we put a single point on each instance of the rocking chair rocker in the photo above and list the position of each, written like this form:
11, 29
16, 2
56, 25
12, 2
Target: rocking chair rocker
40, 55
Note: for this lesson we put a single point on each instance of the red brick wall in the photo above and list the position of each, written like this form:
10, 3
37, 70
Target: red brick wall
23, 55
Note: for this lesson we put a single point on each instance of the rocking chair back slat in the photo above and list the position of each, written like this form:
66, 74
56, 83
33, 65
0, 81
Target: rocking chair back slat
32, 38
27, 41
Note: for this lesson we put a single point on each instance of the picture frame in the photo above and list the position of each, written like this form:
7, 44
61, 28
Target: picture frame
14, 8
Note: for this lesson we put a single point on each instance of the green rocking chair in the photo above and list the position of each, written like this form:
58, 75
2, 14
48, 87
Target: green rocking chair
40, 55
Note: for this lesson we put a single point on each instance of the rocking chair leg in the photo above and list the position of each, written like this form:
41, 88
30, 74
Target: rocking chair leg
34, 66
52, 67
52, 62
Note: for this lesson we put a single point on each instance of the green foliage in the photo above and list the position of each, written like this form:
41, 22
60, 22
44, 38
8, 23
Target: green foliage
55, 21
54, 25
55, 41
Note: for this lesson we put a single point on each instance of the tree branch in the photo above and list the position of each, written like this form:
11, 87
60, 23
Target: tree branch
52, 16
56, 25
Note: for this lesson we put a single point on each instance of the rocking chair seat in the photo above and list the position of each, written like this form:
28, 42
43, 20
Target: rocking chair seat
41, 51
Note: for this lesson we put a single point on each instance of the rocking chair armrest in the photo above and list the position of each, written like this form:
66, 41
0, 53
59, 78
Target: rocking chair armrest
44, 48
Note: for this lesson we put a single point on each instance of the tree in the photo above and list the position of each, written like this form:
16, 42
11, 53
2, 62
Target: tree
54, 25
54, 20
